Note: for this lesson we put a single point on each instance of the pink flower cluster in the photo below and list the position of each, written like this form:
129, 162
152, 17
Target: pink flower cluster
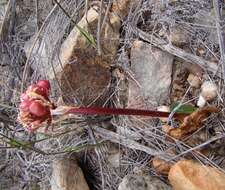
35, 107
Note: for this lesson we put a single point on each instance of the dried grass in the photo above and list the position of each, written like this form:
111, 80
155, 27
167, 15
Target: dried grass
26, 168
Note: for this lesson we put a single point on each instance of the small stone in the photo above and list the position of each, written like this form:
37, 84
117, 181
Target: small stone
194, 81
147, 182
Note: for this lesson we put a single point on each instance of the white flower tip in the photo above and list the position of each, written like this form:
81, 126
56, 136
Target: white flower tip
201, 101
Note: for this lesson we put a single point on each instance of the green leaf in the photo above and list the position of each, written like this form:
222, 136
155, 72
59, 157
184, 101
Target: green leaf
186, 108
89, 37
81, 147
17, 144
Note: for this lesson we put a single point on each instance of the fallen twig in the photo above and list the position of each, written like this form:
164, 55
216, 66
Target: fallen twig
116, 138
207, 65
220, 34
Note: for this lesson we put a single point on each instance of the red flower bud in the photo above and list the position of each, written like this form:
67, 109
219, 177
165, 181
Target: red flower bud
44, 84
24, 105
38, 90
38, 109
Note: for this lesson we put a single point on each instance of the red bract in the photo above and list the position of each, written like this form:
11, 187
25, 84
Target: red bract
24, 105
44, 84
38, 109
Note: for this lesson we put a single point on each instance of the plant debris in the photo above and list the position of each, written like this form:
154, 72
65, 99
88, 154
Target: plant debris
190, 123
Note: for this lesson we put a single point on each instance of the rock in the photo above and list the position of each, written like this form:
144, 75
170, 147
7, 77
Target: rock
188, 175
76, 39
178, 36
67, 175
135, 182
83, 74
152, 69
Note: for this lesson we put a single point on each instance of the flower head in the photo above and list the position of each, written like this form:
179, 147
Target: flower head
35, 107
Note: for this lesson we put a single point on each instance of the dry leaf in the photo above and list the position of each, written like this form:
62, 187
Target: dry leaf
190, 123
188, 175
161, 166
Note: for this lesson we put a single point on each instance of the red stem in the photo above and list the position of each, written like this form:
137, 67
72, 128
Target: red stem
120, 111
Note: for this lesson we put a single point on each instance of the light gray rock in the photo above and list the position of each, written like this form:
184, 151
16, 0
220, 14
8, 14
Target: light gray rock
152, 70
67, 175
135, 182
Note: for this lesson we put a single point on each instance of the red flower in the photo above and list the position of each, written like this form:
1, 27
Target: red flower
35, 107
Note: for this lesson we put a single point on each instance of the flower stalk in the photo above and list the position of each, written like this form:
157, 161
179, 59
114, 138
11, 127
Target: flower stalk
36, 109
